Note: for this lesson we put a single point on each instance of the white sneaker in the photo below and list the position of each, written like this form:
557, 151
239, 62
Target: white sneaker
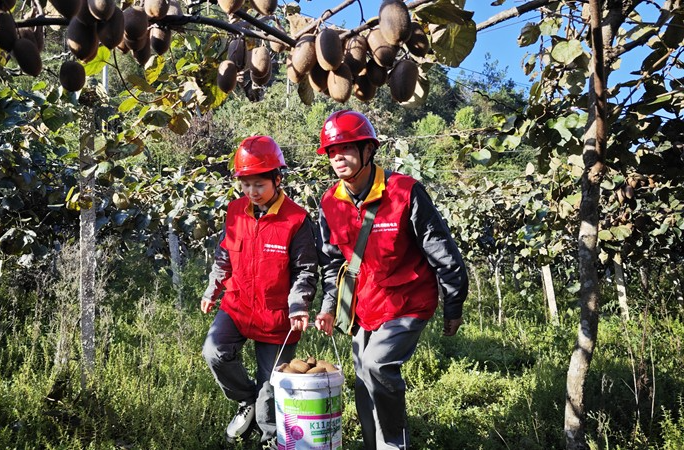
241, 422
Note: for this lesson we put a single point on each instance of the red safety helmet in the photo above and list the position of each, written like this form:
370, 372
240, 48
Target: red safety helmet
346, 126
258, 154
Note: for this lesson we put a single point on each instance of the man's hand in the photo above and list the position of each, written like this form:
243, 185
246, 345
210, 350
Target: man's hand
324, 323
207, 305
451, 326
300, 322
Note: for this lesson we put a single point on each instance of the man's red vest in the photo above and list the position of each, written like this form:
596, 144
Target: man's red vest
256, 293
395, 279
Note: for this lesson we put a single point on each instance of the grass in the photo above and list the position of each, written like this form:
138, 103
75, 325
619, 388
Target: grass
499, 387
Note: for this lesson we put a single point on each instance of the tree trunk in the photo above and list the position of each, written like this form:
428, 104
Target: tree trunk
87, 200
621, 288
594, 156
549, 293
476, 277
174, 250
497, 280
643, 278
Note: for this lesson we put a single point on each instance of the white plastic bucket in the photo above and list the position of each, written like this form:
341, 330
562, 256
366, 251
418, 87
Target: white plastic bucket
308, 410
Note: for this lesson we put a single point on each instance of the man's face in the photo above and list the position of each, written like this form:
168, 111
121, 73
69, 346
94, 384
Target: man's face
344, 159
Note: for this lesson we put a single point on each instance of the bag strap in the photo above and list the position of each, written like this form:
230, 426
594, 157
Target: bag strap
360, 246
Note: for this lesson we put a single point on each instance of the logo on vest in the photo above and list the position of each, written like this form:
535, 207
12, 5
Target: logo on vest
385, 227
274, 248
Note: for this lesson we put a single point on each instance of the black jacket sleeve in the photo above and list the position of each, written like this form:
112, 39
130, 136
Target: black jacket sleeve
221, 270
303, 268
434, 238
330, 259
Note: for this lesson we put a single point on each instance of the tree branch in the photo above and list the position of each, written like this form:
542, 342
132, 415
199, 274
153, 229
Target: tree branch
327, 14
512, 12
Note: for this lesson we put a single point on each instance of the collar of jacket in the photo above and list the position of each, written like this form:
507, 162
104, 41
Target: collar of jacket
275, 207
375, 192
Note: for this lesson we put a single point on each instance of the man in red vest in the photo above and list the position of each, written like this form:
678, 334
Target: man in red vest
266, 261
409, 258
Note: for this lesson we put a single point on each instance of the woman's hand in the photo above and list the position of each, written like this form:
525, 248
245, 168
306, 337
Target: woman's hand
300, 322
324, 323
207, 305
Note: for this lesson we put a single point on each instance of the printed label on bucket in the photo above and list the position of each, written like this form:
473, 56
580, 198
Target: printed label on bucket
312, 424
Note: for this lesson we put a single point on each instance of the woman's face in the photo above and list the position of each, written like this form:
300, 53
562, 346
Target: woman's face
260, 191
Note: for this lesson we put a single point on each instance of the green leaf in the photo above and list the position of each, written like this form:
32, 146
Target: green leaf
155, 69
444, 12
453, 43
157, 118
566, 51
179, 124
605, 235
128, 104
528, 35
95, 65
141, 83
621, 232
550, 26
482, 156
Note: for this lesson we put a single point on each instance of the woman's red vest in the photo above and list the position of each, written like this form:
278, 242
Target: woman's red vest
256, 293
395, 279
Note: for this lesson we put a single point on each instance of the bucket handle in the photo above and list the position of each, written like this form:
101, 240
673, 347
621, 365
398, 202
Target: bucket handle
282, 347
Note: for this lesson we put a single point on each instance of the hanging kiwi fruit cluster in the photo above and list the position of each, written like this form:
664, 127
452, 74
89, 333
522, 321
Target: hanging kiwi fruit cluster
332, 62
361, 63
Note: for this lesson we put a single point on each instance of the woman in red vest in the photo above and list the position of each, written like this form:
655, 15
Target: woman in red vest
266, 261
409, 256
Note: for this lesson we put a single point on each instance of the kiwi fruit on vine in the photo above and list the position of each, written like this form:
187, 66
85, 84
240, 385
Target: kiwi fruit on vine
363, 89
318, 77
81, 39
383, 52
72, 76
236, 52
28, 57
403, 79
160, 40
123, 46
230, 6
8, 32
304, 54
278, 46
111, 31
292, 74
137, 44
340, 83
34, 34
7, 5
157, 9
67, 8
394, 21
329, 49
84, 14
263, 79
101, 9
265, 7
418, 43
226, 79
376, 74
355, 51
260, 62
135, 22
143, 54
